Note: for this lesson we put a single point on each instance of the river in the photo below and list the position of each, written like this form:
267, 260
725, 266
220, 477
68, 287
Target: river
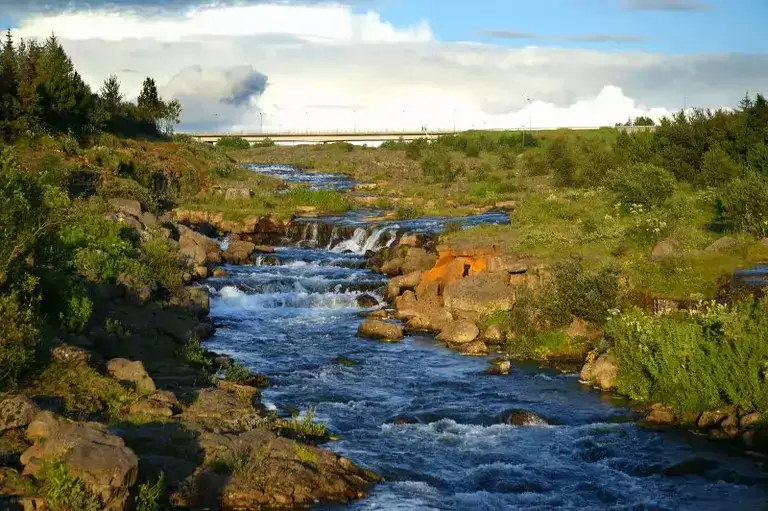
296, 323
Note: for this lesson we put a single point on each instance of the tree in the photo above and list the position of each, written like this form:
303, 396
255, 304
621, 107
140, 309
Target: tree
644, 121
171, 117
110, 103
149, 102
9, 86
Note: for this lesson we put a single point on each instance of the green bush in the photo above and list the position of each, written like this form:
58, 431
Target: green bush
576, 291
233, 143
437, 165
695, 360
163, 263
408, 212
267, 142
148, 498
717, 168
562, 163
19, 336
744, 204
535, 162
237, 373
63, 492
415, 147
642, 183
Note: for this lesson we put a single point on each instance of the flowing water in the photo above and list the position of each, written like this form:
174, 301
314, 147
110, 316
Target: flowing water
296, 322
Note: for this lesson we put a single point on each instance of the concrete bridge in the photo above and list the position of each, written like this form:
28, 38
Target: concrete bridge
363, 136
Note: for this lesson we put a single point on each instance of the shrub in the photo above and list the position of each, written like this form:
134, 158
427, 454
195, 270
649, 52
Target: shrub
148, 498
163, 263
415, 147
233, 143
642, 183
304, 429
437, 165
19, 336
63, 492
237, 373
695, 360
744, 204
535, 162
408, 212
576, 291
717, 168
267, 142
561, 162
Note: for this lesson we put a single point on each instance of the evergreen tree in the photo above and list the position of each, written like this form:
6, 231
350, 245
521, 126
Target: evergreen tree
9, 88
149, 102
110, 103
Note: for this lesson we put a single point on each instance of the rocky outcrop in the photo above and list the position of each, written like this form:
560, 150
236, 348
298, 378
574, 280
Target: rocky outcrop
474, 349
458, 332
397, 285
494, 335
377, 329
239, 252
76, 355
483, 294
131, 373
407, 259
195, 249
601, 372
89, 452
367, 301
16, 412
250, 225
722, 245
518, 417
127, 207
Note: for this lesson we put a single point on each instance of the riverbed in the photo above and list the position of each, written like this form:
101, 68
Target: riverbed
296, 322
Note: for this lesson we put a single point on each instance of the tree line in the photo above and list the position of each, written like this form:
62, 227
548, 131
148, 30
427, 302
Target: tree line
41, 92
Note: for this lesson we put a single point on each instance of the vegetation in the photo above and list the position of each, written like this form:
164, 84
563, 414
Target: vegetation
237, 143
302, 428
149, 495
63, 492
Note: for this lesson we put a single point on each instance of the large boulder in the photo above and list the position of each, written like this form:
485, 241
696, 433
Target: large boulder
89, 452
239, 252
197, 249
474, 348
397, 285
494, 334
459, 332
518, 417
665, 248
601, 372
238, 194
16, 412
127, 206
377, 329
76, 355
131, 372
483, 294
722, 244
406, 259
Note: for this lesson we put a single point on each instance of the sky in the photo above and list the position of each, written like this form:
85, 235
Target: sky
277, 65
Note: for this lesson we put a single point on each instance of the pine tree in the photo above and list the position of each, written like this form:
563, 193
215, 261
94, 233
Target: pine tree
110, 103
149, 102
9, 88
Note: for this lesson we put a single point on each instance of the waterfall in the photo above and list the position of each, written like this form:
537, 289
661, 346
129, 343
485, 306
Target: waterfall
373, 240
354, 244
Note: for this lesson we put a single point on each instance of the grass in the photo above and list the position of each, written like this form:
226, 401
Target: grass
246, 462
304, 429
305, 454
63, 492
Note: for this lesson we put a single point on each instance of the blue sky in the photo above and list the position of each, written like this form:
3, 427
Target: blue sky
667, 26
727, 26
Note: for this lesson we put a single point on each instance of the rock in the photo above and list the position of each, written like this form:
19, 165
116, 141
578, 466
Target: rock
133, 373
397, 285
76, 355
200, 272
238, 194
404, 420
661, 415
219, 273
17, 412
196, 249
134, 289
664, 249
377, 314
722, 244
730, 426
306, 212
459, 332
406, 302
149, 220
166, 397
198, 300
239, 252
265, 249
42, 426
484, 294
493, 335
378, 329
151, 408
689, 467
750, 419
764, 242
500, 366
712, 418
601, 372
474, 348
220, 409
90, 453
411, 240
509, 205
517, 417
127, 206
367, 301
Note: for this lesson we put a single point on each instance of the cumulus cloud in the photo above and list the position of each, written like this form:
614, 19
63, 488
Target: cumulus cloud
583, 38
667, 5
299, 67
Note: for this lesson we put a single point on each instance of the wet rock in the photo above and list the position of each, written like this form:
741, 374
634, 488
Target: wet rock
660, 415
750, 419
518, 417
197, 300
265, 249
500, 366
127, 206
493, 335
90, 453
377, 314
220, 273
239, 252
459, 332
16, 412
404, 419
601, 372
367, 301
133, 373
484, 294
306, 212
376, 329
76, 355
412, 240
712, 418
664, 249
474, 348
722, 244
345, 361
200, 272
730, 426
690, 467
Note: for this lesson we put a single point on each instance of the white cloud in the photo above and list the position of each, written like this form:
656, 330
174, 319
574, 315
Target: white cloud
329, 67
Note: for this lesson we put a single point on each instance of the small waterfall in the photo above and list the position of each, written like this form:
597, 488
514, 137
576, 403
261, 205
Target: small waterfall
372, 243
315, 232
354, 244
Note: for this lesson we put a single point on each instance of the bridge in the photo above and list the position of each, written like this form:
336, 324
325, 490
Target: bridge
364, 136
